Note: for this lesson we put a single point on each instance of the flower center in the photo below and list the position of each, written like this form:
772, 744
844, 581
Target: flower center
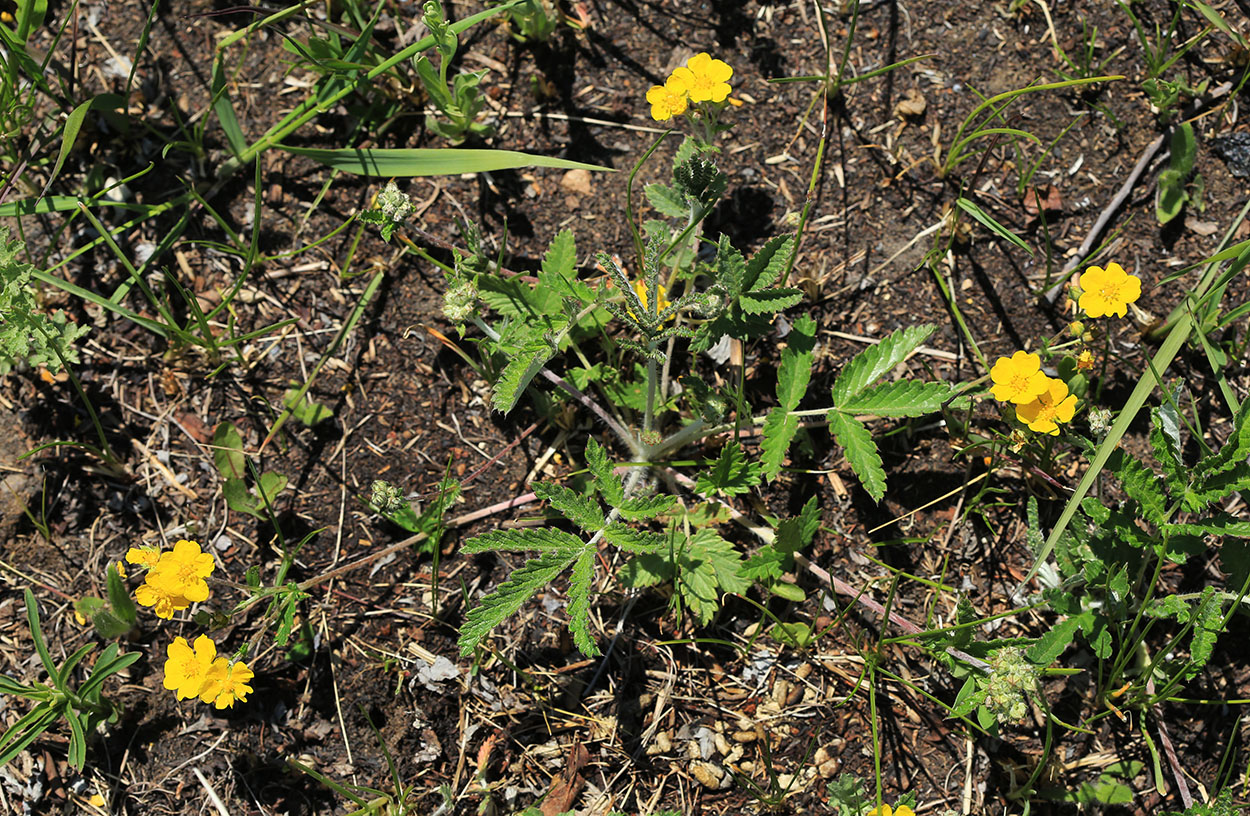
1110, 291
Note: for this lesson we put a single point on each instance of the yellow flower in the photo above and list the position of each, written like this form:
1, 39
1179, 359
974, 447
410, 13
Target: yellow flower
662, 302
705, 79
1108, 291
226, 682
886, 810
667, 100
1018, 379
182, 571
159, 596
1044, 413
146, 557
1085, 360
187, 668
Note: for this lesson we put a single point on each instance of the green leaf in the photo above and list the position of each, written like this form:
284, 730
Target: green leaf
769, 301
646, 570
269, 486
1051, 644
995, 227
730, 267
228, 452
632, 539
123, 605
877, 360
583, 512
239, 498
1235, 560
1208, 622
646, 507
406, 162
793, 376
1221, 524
1141, 485
225, 110
559, 271
766, 266
707, 566
305, 410
579, 603
606, 481
905, 398
510, 596
524, 539
519, 372
667, 200
1165, 440
861, 452
731, 474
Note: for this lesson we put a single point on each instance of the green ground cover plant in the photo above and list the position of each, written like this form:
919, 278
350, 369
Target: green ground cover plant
1065, 569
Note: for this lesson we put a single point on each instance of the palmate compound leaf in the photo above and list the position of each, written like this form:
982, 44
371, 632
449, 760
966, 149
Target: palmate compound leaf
793, 377
861, 452
875, 362
905, 398
732, 473
512, 594
582, 511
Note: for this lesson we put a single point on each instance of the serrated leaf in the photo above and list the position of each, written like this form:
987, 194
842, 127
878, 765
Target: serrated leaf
1218, 525
731, 474
877, 360
646, 507
1141, 485
1050, 645
559, 265
971, 695
228, 452
646, 570
1235, 560
793, 376
861, 452
707, 565
1165, 440
766, 266
905, 398
582, 511
1232, 453
769, 301
517, 374
579, 603
730, 267
524, 539
667, 200
510, 596
606, 481
1208, 622
632, 539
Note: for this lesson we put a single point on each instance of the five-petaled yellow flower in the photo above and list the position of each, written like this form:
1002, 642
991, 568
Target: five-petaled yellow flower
226, 682
1108, 291
1054, 406
177, 579
187, 668
886, 810
1018, 379
706, 79
667, 100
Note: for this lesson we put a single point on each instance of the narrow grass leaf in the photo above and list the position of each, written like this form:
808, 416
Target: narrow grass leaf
429, 161
994, 227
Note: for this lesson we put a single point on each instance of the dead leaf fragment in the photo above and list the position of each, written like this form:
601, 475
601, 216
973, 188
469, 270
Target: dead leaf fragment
912, 104
1046, 200
568, 784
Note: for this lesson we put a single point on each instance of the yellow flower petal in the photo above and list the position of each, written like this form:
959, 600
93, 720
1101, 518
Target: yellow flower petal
1018, 379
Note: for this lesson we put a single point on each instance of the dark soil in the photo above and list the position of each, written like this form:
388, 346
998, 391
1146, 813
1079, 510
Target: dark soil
356, 702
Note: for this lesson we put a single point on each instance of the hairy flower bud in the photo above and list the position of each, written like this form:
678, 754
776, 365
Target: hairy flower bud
394, 204
386, 497
1012, 679
1099, 422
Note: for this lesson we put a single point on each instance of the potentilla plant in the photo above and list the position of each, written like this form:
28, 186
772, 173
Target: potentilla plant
642, 347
